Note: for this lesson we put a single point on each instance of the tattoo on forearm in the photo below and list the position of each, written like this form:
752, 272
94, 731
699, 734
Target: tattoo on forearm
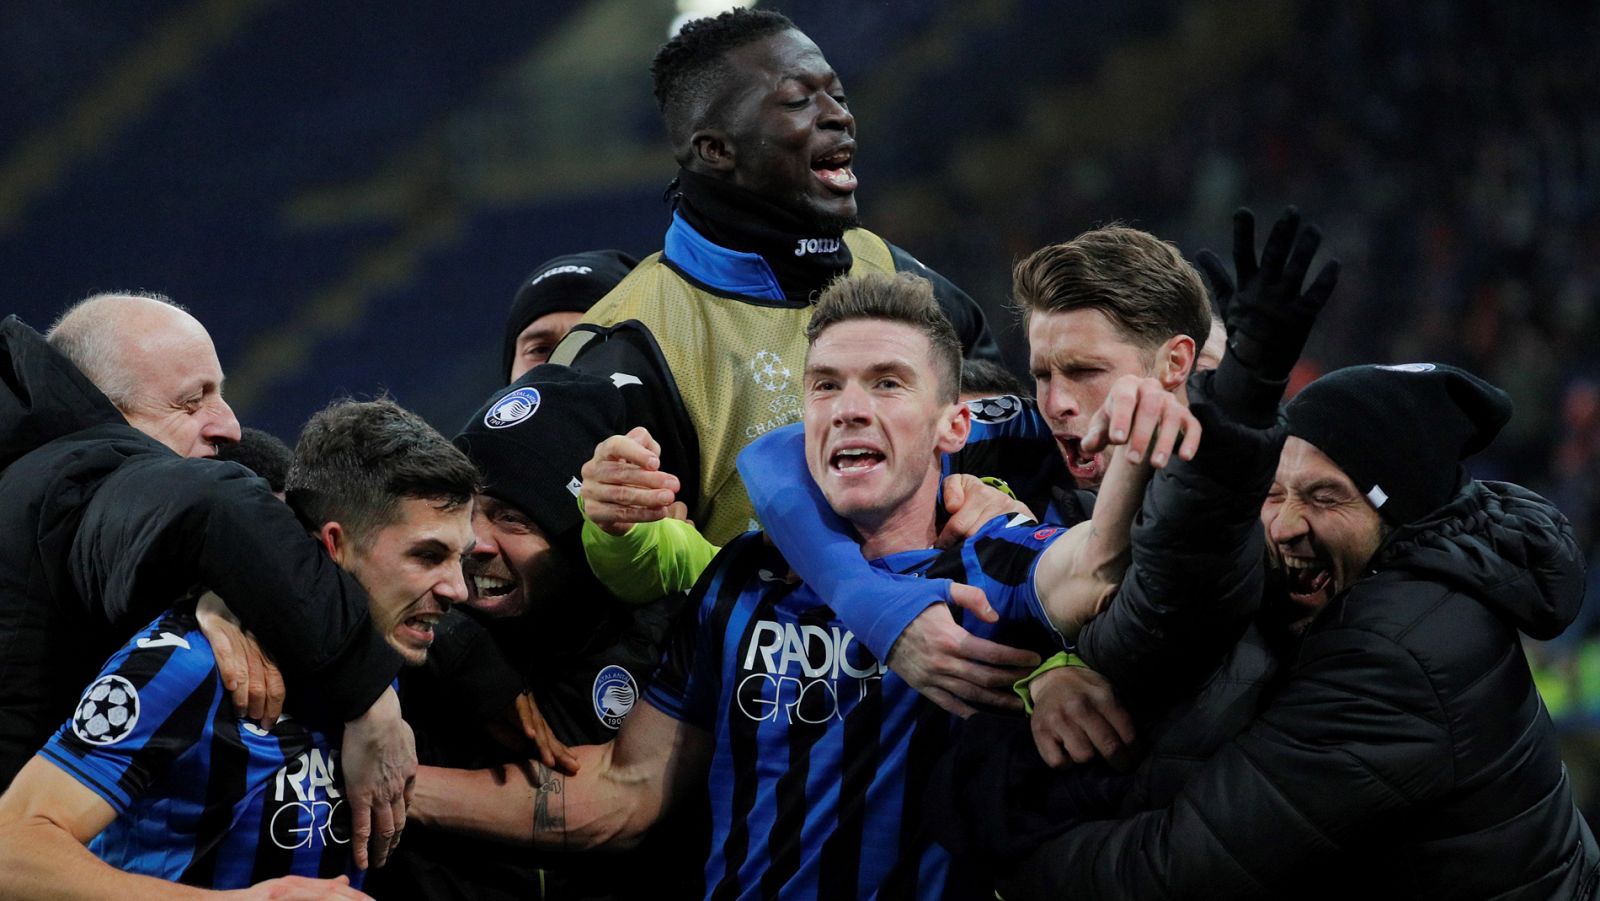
549, 802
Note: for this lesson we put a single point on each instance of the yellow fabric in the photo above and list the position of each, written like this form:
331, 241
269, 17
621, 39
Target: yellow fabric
1062, 658
737, 365
649, 560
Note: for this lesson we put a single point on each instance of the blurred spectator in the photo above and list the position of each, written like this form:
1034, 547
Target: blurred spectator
552, 300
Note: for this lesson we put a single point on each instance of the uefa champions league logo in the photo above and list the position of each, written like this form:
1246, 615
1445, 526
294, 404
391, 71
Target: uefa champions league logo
108, 712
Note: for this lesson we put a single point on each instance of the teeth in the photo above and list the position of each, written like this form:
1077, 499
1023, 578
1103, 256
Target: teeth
855, 452
490, 584
1300, 563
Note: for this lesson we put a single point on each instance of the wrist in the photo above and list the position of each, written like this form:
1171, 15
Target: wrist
1249, 394
1024, 687
384, 711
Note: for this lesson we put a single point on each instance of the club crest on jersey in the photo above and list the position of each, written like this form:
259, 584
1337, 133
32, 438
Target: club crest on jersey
995, 409
614, 695
108, 711
1045, 533
512, 409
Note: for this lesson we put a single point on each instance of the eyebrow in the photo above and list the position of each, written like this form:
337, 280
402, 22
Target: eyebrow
1326, 484
888, 366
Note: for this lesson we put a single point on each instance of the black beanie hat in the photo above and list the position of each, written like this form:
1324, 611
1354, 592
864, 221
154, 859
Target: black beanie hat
566, 284
1400, 432
532, 438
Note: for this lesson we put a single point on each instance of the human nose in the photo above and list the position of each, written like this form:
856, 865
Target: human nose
851, 405
223, 426
483, 543
836, 115
452, 589
1055, 400
1288, 523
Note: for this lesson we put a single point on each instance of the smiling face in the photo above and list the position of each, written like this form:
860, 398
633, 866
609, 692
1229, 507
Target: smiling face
1075, 356
787, 132
875, 425
410, 568
1320, 529
512, 566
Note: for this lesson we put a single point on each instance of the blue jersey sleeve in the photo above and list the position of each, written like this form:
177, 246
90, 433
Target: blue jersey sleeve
150, 703
822, 549
1002, 559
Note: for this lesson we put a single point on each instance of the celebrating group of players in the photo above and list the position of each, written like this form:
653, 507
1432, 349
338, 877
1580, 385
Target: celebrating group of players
754, 582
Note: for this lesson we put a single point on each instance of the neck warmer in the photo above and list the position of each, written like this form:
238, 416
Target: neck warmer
804, 258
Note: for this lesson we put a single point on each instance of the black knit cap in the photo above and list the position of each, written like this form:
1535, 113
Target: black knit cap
565, 284
1400, 432
532, 438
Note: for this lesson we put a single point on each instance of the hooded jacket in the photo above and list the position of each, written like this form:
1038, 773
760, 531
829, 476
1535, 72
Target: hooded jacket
1402, 751
103, 528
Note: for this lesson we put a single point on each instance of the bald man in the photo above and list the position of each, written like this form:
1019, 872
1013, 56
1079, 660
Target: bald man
105, 521
156, 365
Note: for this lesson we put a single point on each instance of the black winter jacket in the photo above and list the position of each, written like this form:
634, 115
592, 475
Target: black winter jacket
102, 528
1402, 752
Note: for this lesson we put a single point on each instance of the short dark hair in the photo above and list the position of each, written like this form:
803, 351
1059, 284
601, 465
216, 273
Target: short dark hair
987, 378
901, 297
690, 69
1146, 287
263, 453
356, 460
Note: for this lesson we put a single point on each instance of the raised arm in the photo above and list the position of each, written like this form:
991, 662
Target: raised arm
621, 789
161, 525
1149, 427
1197, 545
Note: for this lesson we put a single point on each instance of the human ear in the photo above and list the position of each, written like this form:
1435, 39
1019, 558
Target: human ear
712, 149
1174, 361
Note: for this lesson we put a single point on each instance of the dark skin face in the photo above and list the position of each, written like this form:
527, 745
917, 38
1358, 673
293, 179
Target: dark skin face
784, 131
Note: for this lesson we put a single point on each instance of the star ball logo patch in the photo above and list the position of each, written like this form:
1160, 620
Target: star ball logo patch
512, 409
108, 711
769, 372
614, 694
995, 409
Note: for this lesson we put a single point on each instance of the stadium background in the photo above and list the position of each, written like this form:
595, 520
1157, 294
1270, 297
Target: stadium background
348, 194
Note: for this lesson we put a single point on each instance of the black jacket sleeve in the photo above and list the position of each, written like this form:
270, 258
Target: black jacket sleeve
628, 355
161, 525
1356, 738
965, 314
1197, 563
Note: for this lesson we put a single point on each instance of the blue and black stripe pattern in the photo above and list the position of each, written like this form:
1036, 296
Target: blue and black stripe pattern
821, 754
202, 796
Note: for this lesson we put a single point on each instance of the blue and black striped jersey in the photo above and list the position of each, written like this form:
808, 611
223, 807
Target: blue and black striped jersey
821, 753
202, 796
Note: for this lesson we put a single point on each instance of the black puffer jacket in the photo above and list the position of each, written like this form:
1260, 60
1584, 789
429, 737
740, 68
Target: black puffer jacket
102, 528
1403, 753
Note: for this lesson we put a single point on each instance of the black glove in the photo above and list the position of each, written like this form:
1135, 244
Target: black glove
1268, 317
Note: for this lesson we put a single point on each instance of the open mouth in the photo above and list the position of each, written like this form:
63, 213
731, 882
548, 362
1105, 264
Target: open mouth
833, 170
1085, 467
492, 586
854, 460
421, 626
1307, 577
